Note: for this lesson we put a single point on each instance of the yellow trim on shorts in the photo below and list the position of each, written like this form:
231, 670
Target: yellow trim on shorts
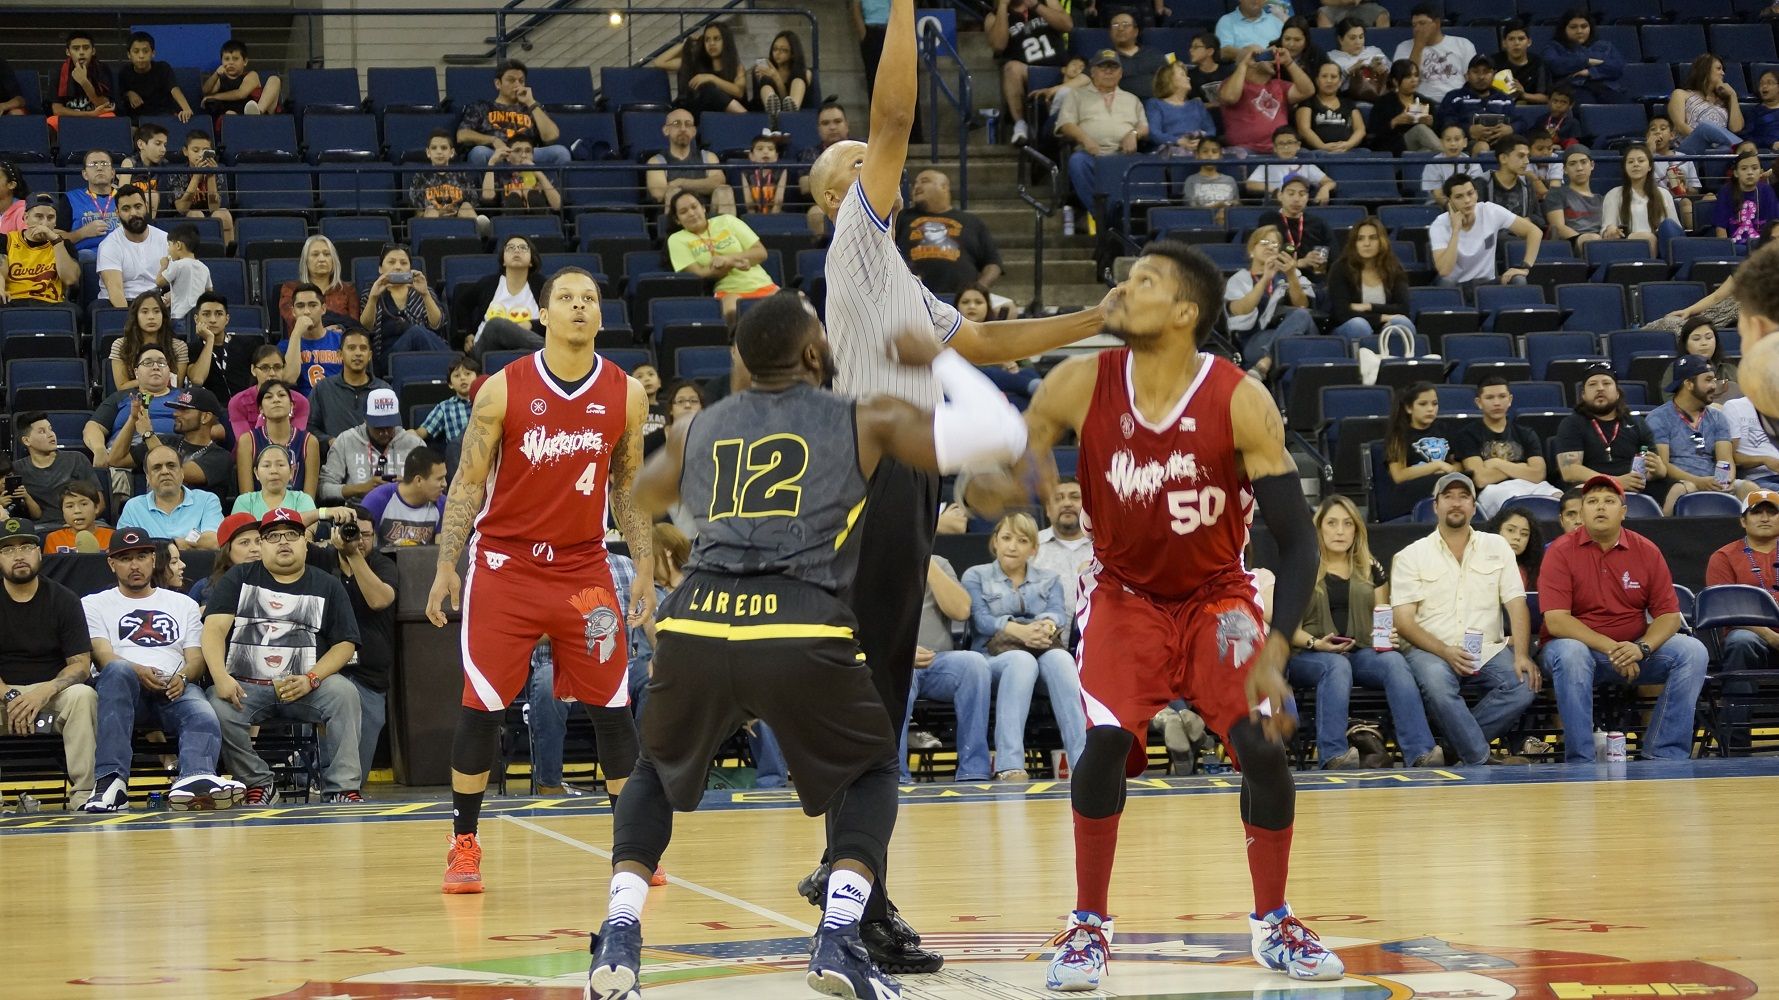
745, 633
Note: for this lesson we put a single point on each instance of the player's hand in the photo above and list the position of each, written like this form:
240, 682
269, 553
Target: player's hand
229, 690
1266, 684
642, 599
446, 584
915, 348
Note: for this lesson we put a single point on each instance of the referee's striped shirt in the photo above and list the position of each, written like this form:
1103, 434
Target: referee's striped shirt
872, 297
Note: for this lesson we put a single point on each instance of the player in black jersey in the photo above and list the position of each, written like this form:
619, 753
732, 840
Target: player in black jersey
776, 477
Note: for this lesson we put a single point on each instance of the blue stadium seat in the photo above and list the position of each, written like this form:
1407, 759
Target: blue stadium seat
627, 358
30, 373
679, 311
1491, 299
260, 139
1593, 307
24, 138
22, 319
1341, 401
611, 225
568, 89
74, 136
614, 316
1363, 181
1686, 251
1602, 253
1607, 122
1708, 504
1659, 298
342, 138
1641, 505
1476, 346
623, 88
810, 264
1533, 396
1735, 604
1456, 401
269, 228
1743, 43
641, 132
1672, 39
1538, 508
1291, 351
39, 345
1395, 217
1700, 11
701, 362
405, 134
733, 133
605, 186
459, 269
274, 190
589, 135
589, 262
1647, 82
1624, 38
538, 227
1421, 299
356, 227
1623, 345
419, 366
1543, 348
494, 361
465, 85
789, 224
358, 190
402, 89
1626, 12
1229, 257
327, 91
228, 277
274, 272
27, 85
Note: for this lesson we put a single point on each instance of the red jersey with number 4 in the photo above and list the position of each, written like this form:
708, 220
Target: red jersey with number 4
549, 479
1168, 504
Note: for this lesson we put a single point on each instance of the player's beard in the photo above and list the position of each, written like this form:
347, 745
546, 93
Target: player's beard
829, 371
1131, 338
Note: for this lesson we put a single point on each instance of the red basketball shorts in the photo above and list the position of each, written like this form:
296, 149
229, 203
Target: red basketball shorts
1138, 654
512, 597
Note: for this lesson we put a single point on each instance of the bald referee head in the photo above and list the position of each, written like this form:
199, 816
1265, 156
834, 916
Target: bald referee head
1756, 289
834, 172
780, 341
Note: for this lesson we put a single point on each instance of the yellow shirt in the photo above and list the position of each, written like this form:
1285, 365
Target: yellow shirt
726, 236
31, 271
1455, 596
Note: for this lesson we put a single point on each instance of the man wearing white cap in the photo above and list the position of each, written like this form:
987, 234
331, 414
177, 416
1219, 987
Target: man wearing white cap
1753, 560
371, 454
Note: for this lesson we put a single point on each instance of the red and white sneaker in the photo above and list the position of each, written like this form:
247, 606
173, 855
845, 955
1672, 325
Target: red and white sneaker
660, 876
263, 796
463, 865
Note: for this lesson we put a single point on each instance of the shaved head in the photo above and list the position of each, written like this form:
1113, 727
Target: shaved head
834, 172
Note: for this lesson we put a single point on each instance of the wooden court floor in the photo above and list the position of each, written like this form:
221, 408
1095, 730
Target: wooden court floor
1441, 885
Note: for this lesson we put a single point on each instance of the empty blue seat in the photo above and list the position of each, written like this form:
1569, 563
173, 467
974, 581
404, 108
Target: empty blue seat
405, 88
1456, 400
701, 362
1364, 181
1659, 298
678, 311
1606, 122
24, 137
811, 264
1641, 505
494, 361
274, 190
356, 227
1594, 307
74, 136
1537, 508
328, 91
624, 87
405, 135
610, 225
734, 133
1708, 504
1543, 348
260, 138
24, 319
562, 88
627, 358
590, 135
779, 224
466, 85
267, 228
1623, 345
605, 186
358, 190
342, 138
1672, 40
1743, 43
28, 373
228, 277
419, 366
1295, 350
1476, 346
1647, 81
1340, 401
534, 226
1623, 37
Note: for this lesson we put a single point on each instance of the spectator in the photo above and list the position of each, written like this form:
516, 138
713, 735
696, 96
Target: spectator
1746, 205
320, 266
1484, 113
1209, 187
149, 641
519, 191
764, 184
1350, 583
45, 470
203, 462
1560, 121
401, 310
830, 127
1573, 211
169, 567
147, 85
1676, 173
276, 632
1364, 69
1504, 458
272, 469
1577, 58
1455, 145
237, 542
1203, 69
1441, 58
244, 409
409, 512
1016, 611
1762, 121
684, 166
942, 672
721, 249
1328, 122
371, 454
650, 379
782, 80
316, 348
83, 85
183, 277
1757, 455
1569, 514
81, 501
1463, 239
684, 400
1531, 77
506, 301
1601, 438
11, 101
183, 514
1417, 447
45, 658
1525, 538
1268, 300
1139, 63
947, 247
39, 267
443, 193
1306, 238
1751, 561
130, 257
1512, 185
1367, 287
1065, 548
14, 192
127, 413
1697, 336
1706, 112
235, 89
371, 580
1640, 208
711, 77
1610, 611
1023, 34
146, 325
447, 421
200, 195
489, 127
1692, 437
89, 211
1458, 580
1270, 179
1250, 28
150, 143
1401, 121
1257, 103
1294, 37
1546, 167
1177, 119
275, 403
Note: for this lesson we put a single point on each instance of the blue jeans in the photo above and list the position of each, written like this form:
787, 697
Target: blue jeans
1679, 667
1334, 674
123, 700
373, 708
1081, 171
1359, 327
1015, 673
1705, 137
548, 720
334, 704
1288, 322
542, 155
416, 338
960, 676
1743, 650
1469, 729
769, 765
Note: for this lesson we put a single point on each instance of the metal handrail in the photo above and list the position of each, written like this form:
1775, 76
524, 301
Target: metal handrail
962, 99
1029, 160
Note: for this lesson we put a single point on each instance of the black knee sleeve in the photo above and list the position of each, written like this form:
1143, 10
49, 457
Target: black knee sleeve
642, 823
1269, 795
476, 741
614, 737
1097, 788
864, 818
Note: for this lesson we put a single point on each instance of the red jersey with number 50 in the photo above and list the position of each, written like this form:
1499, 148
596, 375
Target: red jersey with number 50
549, 479
1168, 504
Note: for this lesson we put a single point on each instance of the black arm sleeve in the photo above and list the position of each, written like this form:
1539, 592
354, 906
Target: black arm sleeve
1280, 499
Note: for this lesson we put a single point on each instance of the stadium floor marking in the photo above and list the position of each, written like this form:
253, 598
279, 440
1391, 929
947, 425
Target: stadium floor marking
719, 896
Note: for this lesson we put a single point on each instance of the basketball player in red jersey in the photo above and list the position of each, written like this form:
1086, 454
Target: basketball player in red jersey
551, 438
1176, 448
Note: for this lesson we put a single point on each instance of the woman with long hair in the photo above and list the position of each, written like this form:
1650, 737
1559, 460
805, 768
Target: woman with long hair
1359, 63
1417, 449
1746, 204
712, 79
1328, 121
1705, 112
401, 310
1641, 208
782, 79
1367, 287
237, 543
1294, 37
1698, 337
275, 402
272, 471
147, 323
718, 248
1333, 649
320, 265
1574, 56
1400, 121
1525, 538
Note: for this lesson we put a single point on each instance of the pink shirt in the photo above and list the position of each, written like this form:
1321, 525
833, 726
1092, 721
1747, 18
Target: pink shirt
244, 411
1262, 110
13, 219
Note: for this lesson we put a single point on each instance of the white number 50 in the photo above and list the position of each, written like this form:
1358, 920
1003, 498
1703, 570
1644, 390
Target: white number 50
1191, 509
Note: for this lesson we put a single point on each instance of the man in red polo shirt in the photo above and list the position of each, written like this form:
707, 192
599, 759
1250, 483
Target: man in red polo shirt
1753, 560
1596, 585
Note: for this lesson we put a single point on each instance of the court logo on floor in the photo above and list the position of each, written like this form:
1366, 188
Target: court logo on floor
1010, 966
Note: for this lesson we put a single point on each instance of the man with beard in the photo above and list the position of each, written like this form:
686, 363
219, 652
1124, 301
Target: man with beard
1601, 438
1065, 548
130, 256
45, 657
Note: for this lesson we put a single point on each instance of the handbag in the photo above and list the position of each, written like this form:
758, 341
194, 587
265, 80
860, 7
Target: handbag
1368, 81
1392, 334
1001, 642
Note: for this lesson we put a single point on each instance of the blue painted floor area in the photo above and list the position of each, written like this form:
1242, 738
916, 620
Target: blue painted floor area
1314, 782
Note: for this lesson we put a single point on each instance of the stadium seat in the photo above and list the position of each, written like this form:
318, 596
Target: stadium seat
405, 135
327, 91
1592, 307
1700, 11
1308, 379
665, 312
1531, 396
342, 138
1544, 509
1641, 505
1456, 400
1608, 123
74, 136
670, 341
18, 320
494, 361
589, 135
1629, 13
39, 345
341, 228
266, 228
1659, 298
1672, 39
273, 191
1624, 345
731, 133
539, 228
568, 89
1742, 43
228, 277
260, 139
419, 366
605, 186
1647, 82
24, 138
402, 89
626, 88
1623, 37
1362, 181
627, 358
1708, 504
701, 362
1463, 347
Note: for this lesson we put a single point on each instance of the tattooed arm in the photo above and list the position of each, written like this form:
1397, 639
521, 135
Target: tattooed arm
481, 441
633, 518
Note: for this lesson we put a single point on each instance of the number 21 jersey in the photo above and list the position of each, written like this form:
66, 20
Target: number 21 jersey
1168, 504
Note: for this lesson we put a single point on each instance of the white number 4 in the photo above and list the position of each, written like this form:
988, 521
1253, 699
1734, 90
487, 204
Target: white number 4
1191, 509
589, 481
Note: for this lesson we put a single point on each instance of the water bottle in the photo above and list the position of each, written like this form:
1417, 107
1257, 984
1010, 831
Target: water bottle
1639, 467
991, 123
1068, 220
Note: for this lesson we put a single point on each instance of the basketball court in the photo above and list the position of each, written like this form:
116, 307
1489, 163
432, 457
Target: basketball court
1563, 883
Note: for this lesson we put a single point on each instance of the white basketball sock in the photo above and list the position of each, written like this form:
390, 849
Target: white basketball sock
628, 894
847, 893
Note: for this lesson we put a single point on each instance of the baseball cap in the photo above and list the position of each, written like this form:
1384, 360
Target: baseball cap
1296, 178
1598, 368
1602, 481
1760, 497
382, 408
1689, 366
194, 398
15, 528
281, 515
1577, 150
1479, 61
233, 525
129, 540
1454, 479
1104, 57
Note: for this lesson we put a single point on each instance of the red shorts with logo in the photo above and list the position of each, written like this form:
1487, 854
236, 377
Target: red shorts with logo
1137, 654
513, 596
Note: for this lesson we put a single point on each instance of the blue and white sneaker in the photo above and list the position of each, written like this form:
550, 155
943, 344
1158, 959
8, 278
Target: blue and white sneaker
1282, 943
111, 795
616, 971
1082, 951
839, 966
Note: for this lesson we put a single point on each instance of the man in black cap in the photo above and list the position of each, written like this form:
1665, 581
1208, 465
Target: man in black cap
204, 463
1692, 437
148, 639
44, 657
1601, 438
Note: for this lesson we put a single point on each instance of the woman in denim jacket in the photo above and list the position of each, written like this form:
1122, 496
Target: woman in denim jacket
1017, 609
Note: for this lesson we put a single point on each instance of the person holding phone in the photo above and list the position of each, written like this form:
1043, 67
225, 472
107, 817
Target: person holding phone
1349, 585
401, 310
371, 454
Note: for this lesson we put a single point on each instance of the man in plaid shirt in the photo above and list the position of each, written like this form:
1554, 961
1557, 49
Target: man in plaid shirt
447, 421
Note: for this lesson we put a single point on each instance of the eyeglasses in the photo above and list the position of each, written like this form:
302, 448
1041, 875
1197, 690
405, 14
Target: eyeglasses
151, 363
275, 537
1268, 243
270, 369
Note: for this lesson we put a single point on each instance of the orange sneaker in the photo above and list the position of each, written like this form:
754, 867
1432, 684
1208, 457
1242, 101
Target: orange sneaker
660, 876
463, 865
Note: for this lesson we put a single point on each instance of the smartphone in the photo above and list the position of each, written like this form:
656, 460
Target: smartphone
1345, 640
399, 277
1265, 56
147, 398
11, 484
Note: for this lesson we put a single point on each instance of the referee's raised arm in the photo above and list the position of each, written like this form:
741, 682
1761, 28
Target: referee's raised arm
893, 100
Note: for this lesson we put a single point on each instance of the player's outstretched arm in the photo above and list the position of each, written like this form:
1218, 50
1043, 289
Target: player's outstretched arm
633, 519
657, 486
975, 425
997, 341
481, 442
893, 99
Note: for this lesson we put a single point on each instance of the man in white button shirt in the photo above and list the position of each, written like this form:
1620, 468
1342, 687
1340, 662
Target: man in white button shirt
130, 256
1065, 548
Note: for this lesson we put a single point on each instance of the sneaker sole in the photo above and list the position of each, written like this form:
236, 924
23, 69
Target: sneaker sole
461, 888
611, 982
1055, 987
187, 802
830, 983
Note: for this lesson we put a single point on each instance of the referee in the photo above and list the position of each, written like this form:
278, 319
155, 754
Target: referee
872, 296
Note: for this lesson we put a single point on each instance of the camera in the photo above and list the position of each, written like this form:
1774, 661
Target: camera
326, 527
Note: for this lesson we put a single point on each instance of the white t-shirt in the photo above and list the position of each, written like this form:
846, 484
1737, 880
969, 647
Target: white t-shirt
139, 262
1346, 61
1241, 283
1442, 65
1750, 434
519, 306
1274, 176
1476, 245
1609, 209
154, 631
1433, 175
186, 280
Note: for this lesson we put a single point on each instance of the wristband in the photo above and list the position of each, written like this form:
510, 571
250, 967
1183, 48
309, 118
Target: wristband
314, 681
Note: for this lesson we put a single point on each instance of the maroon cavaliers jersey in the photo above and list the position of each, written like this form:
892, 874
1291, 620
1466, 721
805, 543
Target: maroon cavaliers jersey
548, 482
1168, 504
